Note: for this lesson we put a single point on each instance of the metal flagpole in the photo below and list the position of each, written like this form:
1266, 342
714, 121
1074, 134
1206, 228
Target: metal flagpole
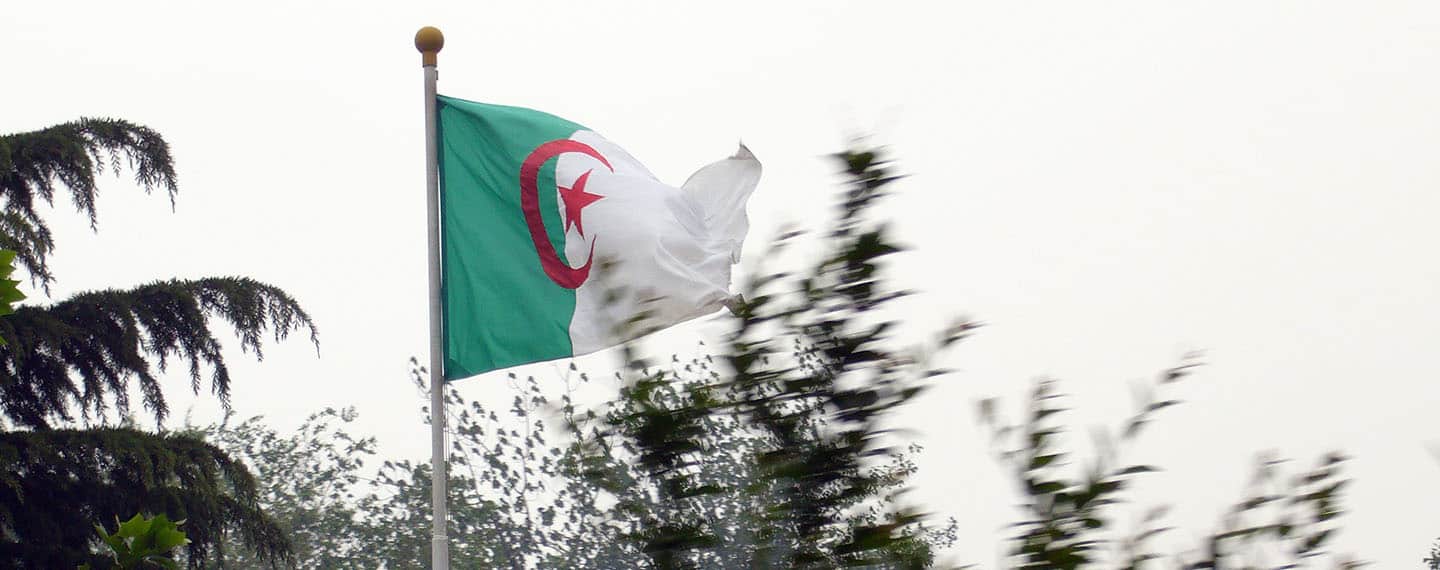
429, 41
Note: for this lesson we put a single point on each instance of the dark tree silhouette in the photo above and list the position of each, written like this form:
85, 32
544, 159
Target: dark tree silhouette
83, 356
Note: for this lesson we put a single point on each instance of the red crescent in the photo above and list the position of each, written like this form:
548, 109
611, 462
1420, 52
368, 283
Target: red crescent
562, 274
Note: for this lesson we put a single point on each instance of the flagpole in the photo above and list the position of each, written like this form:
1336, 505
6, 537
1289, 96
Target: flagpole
429, 41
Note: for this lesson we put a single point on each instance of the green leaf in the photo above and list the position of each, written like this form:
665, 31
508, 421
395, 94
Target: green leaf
136, 527
143, 542
9, 292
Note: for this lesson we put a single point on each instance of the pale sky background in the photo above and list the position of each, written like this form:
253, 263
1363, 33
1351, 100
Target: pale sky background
1107, 184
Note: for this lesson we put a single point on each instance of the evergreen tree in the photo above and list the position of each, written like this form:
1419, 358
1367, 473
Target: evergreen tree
81, 359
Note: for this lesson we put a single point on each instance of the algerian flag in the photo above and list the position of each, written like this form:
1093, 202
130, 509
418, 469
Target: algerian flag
556, 242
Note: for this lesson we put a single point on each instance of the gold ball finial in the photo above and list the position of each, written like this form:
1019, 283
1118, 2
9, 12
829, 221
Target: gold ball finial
429, 40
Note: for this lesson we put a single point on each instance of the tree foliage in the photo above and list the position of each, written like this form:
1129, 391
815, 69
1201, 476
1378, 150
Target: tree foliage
82, 357
310, 481
1071, 503
57, 483
341, 514
519, 497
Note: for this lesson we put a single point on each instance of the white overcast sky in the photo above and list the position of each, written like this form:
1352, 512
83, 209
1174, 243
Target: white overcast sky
1107, 184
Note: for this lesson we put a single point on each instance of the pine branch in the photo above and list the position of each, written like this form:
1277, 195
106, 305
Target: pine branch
34, 164
79, 353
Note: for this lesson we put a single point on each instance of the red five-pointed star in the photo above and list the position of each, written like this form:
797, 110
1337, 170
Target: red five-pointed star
576, 198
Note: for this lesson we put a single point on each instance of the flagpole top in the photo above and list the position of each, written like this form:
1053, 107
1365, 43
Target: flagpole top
429, 40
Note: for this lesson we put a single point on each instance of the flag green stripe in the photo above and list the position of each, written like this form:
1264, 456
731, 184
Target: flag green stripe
500, 309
